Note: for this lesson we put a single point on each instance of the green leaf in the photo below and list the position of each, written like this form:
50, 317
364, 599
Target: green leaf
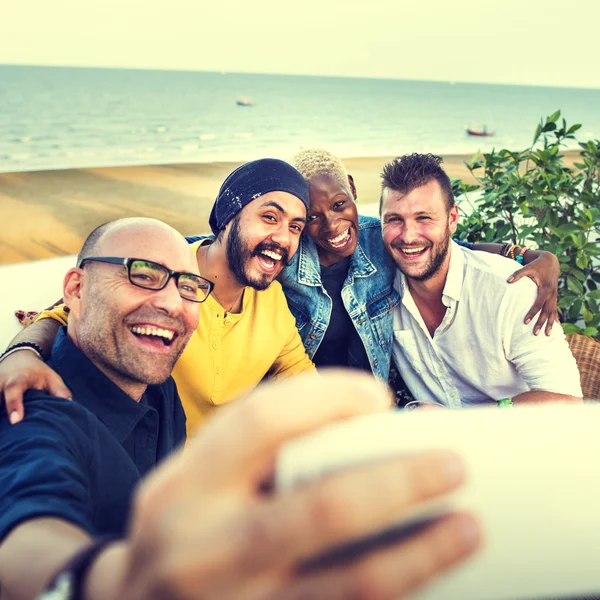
574, 128
582, 261
570, 328
590, 331
574, 285
553, 117
568, 228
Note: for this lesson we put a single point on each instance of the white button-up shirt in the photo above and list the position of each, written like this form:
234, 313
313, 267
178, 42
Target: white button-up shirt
482, 351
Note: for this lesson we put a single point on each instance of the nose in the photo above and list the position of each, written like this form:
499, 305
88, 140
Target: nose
330, 224
281, 235
168, 300
409, 232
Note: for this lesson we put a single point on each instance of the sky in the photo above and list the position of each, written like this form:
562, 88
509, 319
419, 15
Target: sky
537, 42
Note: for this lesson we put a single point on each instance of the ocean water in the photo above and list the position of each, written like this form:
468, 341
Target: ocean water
55, 117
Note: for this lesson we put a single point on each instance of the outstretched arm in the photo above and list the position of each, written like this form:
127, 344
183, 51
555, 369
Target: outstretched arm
214, 529
543, 269
23, 370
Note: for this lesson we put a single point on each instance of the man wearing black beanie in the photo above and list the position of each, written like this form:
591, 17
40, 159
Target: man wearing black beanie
246, 330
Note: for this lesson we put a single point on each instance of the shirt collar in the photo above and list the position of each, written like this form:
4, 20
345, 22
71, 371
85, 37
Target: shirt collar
94, 390
454, 278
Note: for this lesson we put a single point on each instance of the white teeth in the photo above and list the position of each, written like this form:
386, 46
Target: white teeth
271, 254
156, 331
413, 250
343, 236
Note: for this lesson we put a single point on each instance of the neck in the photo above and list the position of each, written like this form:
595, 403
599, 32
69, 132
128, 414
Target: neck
212, 263
431, 289
133, 388
427, 295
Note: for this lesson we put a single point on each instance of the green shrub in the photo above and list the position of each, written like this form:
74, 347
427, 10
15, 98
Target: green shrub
534, 198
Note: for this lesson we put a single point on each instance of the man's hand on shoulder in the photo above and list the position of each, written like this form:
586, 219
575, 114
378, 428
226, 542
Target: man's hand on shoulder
22, 371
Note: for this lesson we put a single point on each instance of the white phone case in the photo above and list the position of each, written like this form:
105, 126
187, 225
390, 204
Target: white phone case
533, 482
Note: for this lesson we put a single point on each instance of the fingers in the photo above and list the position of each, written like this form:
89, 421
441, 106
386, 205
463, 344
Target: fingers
55, 385
551, 320
393, 572
36, 376
357, 503
517, 275
246, 435
548, 314
14, 388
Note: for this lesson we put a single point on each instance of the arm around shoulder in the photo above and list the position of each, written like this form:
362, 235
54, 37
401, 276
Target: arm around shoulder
545, 363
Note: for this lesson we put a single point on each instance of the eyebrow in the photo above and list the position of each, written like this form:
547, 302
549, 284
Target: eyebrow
417, 214
280, 208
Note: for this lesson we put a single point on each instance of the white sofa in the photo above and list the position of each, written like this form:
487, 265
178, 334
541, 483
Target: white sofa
30, 287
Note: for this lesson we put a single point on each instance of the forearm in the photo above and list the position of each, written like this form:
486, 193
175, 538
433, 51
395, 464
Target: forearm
41, 333
105, 580
535, 397
35, 551
490, 248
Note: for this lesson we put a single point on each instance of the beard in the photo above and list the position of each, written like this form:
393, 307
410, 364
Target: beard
104, 338
437, 256
239, 255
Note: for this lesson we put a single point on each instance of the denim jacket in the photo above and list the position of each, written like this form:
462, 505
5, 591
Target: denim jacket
368, 295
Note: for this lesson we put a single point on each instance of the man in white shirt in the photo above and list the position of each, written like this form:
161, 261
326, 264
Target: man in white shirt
459, 335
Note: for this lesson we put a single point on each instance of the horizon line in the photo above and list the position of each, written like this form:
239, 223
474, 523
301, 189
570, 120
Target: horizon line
278, 74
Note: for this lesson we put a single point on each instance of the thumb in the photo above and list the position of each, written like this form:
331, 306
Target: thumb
57, 387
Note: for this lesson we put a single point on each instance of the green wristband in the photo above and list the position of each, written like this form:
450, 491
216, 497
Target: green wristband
505, 402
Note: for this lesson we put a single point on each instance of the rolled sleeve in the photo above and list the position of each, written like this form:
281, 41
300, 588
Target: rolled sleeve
544, 362
42, 470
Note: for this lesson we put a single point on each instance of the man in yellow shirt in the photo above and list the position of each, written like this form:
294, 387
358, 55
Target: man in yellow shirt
246, 332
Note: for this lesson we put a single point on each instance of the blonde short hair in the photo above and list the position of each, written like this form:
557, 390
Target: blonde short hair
315, 162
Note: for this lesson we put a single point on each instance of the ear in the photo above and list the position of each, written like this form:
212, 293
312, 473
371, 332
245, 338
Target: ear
72, 288
352, 186
453, 218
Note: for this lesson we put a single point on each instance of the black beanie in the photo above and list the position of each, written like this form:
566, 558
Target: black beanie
252, 180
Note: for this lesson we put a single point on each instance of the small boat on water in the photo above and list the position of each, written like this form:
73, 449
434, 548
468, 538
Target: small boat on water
479, 131
244, 101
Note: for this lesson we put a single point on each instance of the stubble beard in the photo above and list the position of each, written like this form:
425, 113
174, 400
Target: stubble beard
438, 254
99, 340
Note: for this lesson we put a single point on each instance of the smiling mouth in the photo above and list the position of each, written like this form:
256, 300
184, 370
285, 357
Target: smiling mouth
154, 334
340, 240
413, 252
269, 259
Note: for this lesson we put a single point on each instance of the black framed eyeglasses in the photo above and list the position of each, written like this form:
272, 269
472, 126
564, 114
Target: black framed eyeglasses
154, 276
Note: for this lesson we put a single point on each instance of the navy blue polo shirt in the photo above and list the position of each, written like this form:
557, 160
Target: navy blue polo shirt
80, 461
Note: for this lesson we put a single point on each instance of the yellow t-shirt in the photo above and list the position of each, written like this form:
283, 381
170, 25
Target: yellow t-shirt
226, 357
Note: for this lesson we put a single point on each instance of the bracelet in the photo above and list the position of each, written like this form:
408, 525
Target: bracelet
23, 346
505, 403
504, 250
68, 582
521, 256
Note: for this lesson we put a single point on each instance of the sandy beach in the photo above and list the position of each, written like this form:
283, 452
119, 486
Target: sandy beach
49, 213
